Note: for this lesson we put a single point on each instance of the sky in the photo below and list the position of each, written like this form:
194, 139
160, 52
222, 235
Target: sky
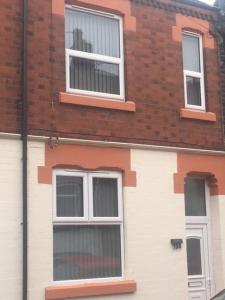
208, 1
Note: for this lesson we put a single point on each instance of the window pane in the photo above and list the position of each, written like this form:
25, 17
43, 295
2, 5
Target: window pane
69, 196
82, 252
193, 90
191, 58
95, 76
194, 257
105, 197
92, 33
195, 204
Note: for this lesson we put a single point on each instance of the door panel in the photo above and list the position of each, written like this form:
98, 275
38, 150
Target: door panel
197, 296
198, 262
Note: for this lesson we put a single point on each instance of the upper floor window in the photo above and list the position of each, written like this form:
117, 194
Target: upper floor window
193, 71
94, 53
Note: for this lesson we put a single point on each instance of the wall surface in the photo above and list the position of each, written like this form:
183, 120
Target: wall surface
40, 240
10, 64
218, 240
153, 214
10, 219
153, 78
149, 208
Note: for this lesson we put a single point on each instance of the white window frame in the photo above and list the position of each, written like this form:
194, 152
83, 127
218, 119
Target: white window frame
206, 218
107, 59
119, 189
88, 218
199, 75
85, 196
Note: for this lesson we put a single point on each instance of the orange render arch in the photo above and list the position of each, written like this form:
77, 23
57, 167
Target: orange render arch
210, 166
88, 158
195, 25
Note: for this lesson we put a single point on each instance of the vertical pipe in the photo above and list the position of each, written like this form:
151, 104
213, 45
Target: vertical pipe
24, 146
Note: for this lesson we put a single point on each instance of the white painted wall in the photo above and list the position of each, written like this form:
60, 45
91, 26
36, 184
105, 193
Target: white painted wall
10, 219
40, 226
153, 215
217, 207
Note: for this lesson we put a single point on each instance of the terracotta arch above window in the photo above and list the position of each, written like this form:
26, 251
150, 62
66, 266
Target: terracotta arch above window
89, 158
206, 166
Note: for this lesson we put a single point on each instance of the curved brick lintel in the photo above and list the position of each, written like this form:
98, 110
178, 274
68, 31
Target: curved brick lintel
89, 158
209, 166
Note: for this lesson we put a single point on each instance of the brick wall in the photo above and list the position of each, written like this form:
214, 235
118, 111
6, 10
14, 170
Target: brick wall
153, 76
10, 64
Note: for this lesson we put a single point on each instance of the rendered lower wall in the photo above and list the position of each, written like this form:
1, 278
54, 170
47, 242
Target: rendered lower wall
10, 219
218, 240
40, 226
153, 215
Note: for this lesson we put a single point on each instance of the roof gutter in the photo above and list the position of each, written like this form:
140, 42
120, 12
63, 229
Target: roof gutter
24, 149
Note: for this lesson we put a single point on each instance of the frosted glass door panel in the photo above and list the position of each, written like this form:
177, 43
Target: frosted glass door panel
194, 257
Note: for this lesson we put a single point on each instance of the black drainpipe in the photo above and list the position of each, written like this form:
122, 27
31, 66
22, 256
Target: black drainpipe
24, 145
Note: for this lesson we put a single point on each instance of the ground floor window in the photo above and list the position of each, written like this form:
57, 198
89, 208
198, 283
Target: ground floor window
87, 225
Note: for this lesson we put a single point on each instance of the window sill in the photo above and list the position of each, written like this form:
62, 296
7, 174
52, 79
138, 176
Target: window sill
197, 115
90, 289
97, 102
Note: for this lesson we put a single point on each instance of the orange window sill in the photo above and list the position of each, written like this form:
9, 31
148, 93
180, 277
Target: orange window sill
197, 115
97, 102
91, 289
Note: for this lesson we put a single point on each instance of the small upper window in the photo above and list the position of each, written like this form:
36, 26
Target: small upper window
193, 71
94, 53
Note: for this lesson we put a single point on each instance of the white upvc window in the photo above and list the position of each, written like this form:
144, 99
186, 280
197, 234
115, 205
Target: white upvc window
94, 53
87, 225
194, 87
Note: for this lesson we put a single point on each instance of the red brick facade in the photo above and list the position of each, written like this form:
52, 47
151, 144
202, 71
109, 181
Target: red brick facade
153, 79
10, 64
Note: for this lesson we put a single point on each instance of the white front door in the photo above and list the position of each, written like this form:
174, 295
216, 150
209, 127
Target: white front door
199, 265
199, 281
